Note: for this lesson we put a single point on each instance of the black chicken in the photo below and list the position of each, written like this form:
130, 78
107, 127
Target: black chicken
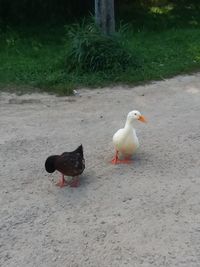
69, 164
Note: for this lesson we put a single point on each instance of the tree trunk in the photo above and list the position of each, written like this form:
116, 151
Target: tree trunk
105, 16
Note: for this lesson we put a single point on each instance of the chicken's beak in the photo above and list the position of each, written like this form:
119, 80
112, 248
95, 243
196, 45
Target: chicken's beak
142, 118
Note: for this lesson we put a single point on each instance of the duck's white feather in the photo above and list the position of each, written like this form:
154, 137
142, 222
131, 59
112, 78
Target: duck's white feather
125, 140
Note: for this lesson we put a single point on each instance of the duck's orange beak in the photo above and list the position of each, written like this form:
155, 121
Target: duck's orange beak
142, 118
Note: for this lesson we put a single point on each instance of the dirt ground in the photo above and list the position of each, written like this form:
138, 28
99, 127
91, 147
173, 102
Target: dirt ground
139, 215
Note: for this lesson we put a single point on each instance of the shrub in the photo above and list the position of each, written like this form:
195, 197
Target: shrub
90, 51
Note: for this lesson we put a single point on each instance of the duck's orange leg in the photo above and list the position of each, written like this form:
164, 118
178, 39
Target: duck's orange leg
116, 159
62, 182
126, 160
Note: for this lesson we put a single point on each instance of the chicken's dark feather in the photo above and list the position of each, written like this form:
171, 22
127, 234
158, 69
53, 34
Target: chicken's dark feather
71, 163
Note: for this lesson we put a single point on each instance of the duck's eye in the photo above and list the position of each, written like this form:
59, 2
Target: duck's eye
135, 114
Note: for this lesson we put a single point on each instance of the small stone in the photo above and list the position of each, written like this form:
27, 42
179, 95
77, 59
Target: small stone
87, 258
103, 234
75, 92
55, 258
119, 258
85, 233
126, 199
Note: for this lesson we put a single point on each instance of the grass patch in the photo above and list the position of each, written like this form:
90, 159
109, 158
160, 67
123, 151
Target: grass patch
36, 59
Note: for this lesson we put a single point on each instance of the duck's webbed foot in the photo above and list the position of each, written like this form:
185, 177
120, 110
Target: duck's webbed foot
116, 160
126, 160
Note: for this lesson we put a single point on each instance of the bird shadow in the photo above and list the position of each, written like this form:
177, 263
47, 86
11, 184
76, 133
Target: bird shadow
142, 157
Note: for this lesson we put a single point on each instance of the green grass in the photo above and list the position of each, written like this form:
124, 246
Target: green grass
36, 59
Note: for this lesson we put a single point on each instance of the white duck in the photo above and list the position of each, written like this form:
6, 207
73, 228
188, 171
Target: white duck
125, 140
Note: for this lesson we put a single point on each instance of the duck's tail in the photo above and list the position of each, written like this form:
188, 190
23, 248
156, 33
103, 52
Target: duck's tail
50, 163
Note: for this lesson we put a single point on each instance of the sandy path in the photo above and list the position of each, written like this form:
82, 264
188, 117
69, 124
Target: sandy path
144, 214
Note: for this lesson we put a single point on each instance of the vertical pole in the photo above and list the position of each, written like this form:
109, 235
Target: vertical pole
105, 16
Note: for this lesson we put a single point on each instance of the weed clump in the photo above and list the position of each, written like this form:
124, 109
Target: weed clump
91, 51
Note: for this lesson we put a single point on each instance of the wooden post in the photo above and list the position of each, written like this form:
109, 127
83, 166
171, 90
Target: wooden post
105, 15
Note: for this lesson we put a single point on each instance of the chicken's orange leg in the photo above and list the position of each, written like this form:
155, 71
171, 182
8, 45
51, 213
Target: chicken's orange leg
62, 182
75, 182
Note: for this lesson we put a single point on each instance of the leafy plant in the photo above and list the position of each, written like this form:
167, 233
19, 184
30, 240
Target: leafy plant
89, 50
